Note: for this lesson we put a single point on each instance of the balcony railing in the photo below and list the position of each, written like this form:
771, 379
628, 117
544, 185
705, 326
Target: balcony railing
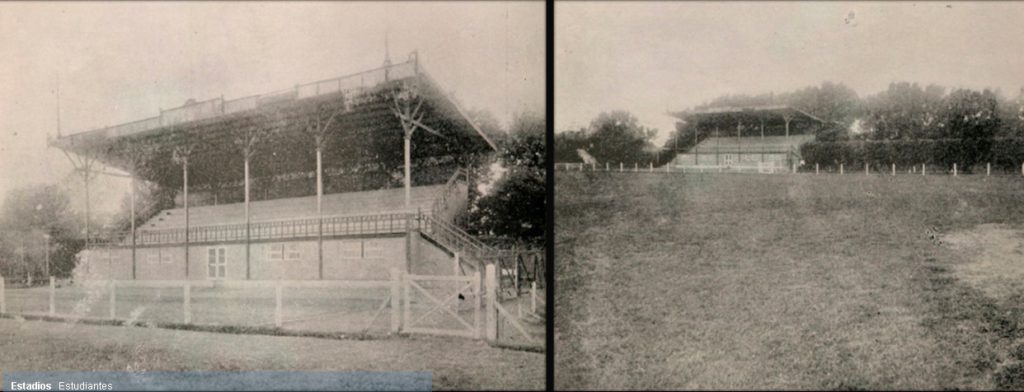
385, 223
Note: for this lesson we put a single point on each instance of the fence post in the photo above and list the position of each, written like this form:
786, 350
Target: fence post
396, 300
407, 307
894, 169
277, 307
621, 170
113, 299
53, 304
815, 168
924, 168
668, 168
3, 292
636, 167
533, 297
794, 167
478, 304
492, 298
867, 170
840, 168
988, 169
606, 166
954, 170
187, 303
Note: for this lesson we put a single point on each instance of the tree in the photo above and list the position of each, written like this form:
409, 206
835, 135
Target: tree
508, 205
972, 118
617, 136
903, 111
28, 215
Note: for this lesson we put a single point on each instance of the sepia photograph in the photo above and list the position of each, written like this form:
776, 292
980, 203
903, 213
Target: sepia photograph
789, 195
273, 195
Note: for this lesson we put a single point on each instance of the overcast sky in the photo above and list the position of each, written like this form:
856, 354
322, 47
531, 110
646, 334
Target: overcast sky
648, 58
120, 62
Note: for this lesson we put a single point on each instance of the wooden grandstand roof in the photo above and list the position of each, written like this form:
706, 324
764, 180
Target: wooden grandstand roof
733, 114
365, 130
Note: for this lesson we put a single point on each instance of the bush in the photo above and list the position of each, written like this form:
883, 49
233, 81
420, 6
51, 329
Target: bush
1003, 153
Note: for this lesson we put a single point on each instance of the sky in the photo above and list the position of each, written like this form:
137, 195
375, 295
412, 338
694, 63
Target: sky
118, 62
649, 58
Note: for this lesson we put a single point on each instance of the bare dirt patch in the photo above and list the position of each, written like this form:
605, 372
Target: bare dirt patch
996, 258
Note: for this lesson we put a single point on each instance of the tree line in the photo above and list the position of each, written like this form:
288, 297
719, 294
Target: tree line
907, 121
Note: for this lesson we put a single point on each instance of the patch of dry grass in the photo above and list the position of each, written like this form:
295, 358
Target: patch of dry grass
753, 281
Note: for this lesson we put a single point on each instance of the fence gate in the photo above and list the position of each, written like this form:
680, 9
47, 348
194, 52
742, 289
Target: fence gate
442, 305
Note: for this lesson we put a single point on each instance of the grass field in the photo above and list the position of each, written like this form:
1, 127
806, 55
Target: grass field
456, 363
787, 281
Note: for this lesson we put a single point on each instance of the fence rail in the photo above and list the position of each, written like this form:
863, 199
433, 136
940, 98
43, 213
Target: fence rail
427, 304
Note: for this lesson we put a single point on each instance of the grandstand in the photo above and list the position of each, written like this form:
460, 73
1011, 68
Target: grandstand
342, 178
761, 138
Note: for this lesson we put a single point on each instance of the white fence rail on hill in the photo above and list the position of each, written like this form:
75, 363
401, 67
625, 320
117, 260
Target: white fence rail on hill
891, 169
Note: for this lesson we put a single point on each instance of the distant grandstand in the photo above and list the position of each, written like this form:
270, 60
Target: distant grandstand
343, 178
757, 138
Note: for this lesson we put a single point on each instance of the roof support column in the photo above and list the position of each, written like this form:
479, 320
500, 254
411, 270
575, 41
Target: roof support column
320, 209
248, 153
407, 148
787, 119
184, 166
131, 186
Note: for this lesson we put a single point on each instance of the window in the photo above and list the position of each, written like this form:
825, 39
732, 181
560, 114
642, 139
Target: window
286, 251
292, 251
275, 252
216, 263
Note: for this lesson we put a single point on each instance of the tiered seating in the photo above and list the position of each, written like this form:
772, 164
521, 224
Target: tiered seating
351, 203
751, 144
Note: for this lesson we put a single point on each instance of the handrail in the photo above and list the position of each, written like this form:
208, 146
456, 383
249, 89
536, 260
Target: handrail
440, 206
382, 223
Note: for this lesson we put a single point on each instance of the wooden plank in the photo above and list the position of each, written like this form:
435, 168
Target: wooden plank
515, 322
441, 278
438, 331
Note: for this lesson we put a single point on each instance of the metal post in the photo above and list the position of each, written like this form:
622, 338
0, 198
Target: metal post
185, 197
53, 303
492, 310
248, 218
408, 170
320, 211
187, 303
132, 196
113, 299
277, 308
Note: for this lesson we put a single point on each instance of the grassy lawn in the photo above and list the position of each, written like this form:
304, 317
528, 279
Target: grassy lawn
456, 363
780, 281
